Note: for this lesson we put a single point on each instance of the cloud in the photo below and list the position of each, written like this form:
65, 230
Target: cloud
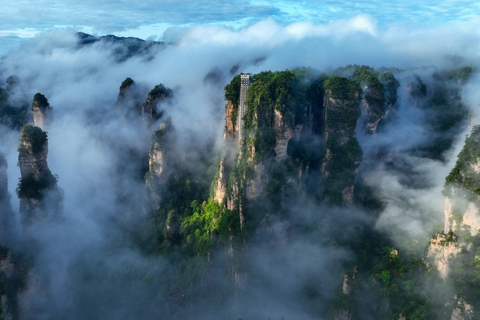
142, 17
82, 83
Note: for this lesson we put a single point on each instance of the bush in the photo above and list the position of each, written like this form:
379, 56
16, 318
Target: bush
35, 136
41, 100
31, 188
126, 83
342, 88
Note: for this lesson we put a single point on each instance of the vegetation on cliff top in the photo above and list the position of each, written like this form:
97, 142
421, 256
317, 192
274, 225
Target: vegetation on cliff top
342, 88
462, 173
41, 100
283, 91
160, 91
126, 83
35, 136
32, 188
232, 91
190, 224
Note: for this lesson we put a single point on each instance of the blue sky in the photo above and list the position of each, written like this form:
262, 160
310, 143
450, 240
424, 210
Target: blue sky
23, 19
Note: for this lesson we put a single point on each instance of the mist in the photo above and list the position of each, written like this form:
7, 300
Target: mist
87, 272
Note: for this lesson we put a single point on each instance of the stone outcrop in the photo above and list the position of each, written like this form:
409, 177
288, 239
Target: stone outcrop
6, 213
7, 269
220, 186
255, 186
156, 96
159, 161
344, 301
462, 310
231, 129
131, 97
230, 148
39, 195
443, 248
461, 192
14, 282
125, 94
456, 247
42, 112
232, 139
335, 118
374, 108
283, 134
342, 151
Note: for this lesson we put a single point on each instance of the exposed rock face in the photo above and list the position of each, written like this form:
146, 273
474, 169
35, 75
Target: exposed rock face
13, 283
342, 151
373, 105
255, 186
125, 92
283, 134
149, 109
231, 129
450, 223
462, 213
172, 227
39, 195
42, 112
344, 300
462, 189
33, 298
6, 271
220, 187
6, 213
158, 160
230, 148
443, 248
463, 311
332, 109
130, 99
232, 136
456, 247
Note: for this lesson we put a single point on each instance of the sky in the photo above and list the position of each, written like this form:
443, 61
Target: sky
21, 20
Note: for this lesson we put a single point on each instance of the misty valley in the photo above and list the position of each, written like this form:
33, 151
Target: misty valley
149, 180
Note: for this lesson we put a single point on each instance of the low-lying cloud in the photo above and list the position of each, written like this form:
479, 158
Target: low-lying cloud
82, 83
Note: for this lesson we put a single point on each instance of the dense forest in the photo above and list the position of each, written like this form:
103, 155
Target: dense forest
299, 194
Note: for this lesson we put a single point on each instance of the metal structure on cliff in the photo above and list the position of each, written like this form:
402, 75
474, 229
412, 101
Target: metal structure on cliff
245, 81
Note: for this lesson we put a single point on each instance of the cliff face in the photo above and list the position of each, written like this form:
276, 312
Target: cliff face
461, 193
443, 248
157, 95
231, 128
6, 271
6, 213
230, 148
344, 301
283, 134
42, 112
342, 151
462, 310
379, 95
13, 284
454, 252
37, 182
281, 108
267, 124
160, 160
372, 104
130, 100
